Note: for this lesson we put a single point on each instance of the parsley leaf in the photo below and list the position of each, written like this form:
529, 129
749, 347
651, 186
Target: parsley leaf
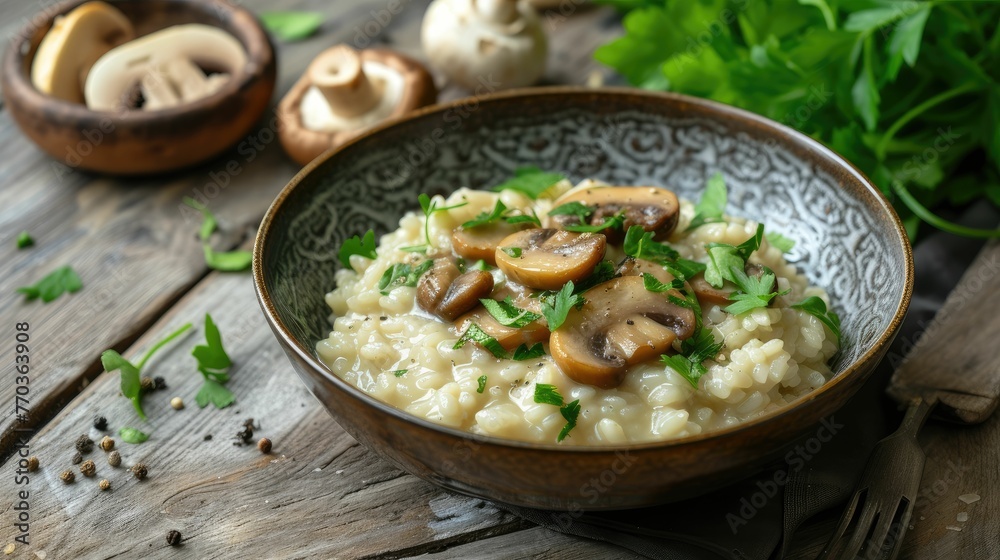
604, 271
653, 285
484, 218
481, 384
402, 274
475, 334
56, 283
609, 222
817, 308
291, 26
556, 307
753, 291
214, 364
783, 244
570, 412
639, 244
507, 314
229, 261
684, 269
24, 240
712, 204
357, 245
524, 219
746, 248
547, 394
581, 211
513, 252
530, 181
523, 352
697, 349
723, 258
132, 435
429, 206
400, 372
131, 386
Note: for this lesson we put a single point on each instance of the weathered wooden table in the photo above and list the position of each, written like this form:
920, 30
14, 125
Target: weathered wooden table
318, 494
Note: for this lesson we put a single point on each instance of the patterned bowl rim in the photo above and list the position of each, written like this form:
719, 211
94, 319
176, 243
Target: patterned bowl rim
781, 133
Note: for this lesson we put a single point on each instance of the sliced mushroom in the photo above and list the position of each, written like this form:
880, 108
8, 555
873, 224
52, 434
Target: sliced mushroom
637, 267
508, 337
447, 293
655, 209
72, 46
481, 242
622, 324
710, 295
113, 76
548, 258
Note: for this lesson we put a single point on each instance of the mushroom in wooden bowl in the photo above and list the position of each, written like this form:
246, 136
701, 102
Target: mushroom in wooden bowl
138, 87
402, 369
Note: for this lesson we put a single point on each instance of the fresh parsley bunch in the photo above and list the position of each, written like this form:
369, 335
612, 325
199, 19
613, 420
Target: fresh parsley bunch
907, 90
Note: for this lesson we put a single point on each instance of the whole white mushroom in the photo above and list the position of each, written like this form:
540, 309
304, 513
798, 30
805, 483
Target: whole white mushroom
485, 44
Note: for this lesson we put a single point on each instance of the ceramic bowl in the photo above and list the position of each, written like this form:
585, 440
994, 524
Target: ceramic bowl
849, 241
138, 142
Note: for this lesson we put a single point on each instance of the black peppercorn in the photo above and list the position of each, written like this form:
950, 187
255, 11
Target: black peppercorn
159, 383
84, 444
264, 445
174, 538
32, 463
77, 458
147, 384
100, 423
139, 471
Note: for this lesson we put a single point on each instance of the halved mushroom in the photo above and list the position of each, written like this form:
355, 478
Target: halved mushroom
548, 258
622, 324
447, 293
481, 242
508, 337
710, 295
655, 209
637, 267
75, 42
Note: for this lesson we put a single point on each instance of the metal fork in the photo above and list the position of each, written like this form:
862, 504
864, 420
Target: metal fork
887, 493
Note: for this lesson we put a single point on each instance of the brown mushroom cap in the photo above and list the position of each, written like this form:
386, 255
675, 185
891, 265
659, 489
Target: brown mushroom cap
549, 257
655, 209
72, 46
622, 324
482, 242
446, 292
637, 267
710, 295
304, 145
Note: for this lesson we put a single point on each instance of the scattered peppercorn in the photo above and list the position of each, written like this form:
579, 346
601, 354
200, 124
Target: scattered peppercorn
245, 436
84, 444
107, 443
177, 403
159, 383
139, 471
147, 384
32, 463
174, 538
88, 468
100, 423
114, 458
68, 477
248, 424
105, 484
264, 445
77, 458
208, 437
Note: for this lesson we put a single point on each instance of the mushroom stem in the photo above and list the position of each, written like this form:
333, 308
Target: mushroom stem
338, 75
499, 11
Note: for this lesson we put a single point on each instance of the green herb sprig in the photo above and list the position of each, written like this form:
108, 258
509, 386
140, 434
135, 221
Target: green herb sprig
474, 333
712, 205
62, 280
291, 26
214, 364
530, 181
357, 245
549, 394
131, 385
227, 261
402, 274
817, 308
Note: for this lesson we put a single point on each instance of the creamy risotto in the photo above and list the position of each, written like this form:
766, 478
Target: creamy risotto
611, 320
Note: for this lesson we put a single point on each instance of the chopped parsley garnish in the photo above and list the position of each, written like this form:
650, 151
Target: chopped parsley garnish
609, 222
639, 244
357, 245
291, 25
784, 244
695, 350
523, 352
549, 394
524, 219
507, 314
227, 261
400, 372
414, 249
603, 272
463, 265
578, 209
429, 206
24, 240
402, 274
753, 291
481, 384
817, 308
651, 284
556, 306
684, 269
132, 435
712, 204
484, 218
475, 334
131, 385
513, 252
723, 258
530, 181
214, 364
60, 281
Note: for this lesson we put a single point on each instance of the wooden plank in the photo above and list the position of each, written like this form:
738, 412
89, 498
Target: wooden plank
318, 494
536, 542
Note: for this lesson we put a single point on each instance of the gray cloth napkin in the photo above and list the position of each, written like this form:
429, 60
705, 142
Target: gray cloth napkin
755, 518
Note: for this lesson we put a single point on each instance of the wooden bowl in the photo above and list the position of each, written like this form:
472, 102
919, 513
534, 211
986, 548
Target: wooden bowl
137, 142
849, 241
